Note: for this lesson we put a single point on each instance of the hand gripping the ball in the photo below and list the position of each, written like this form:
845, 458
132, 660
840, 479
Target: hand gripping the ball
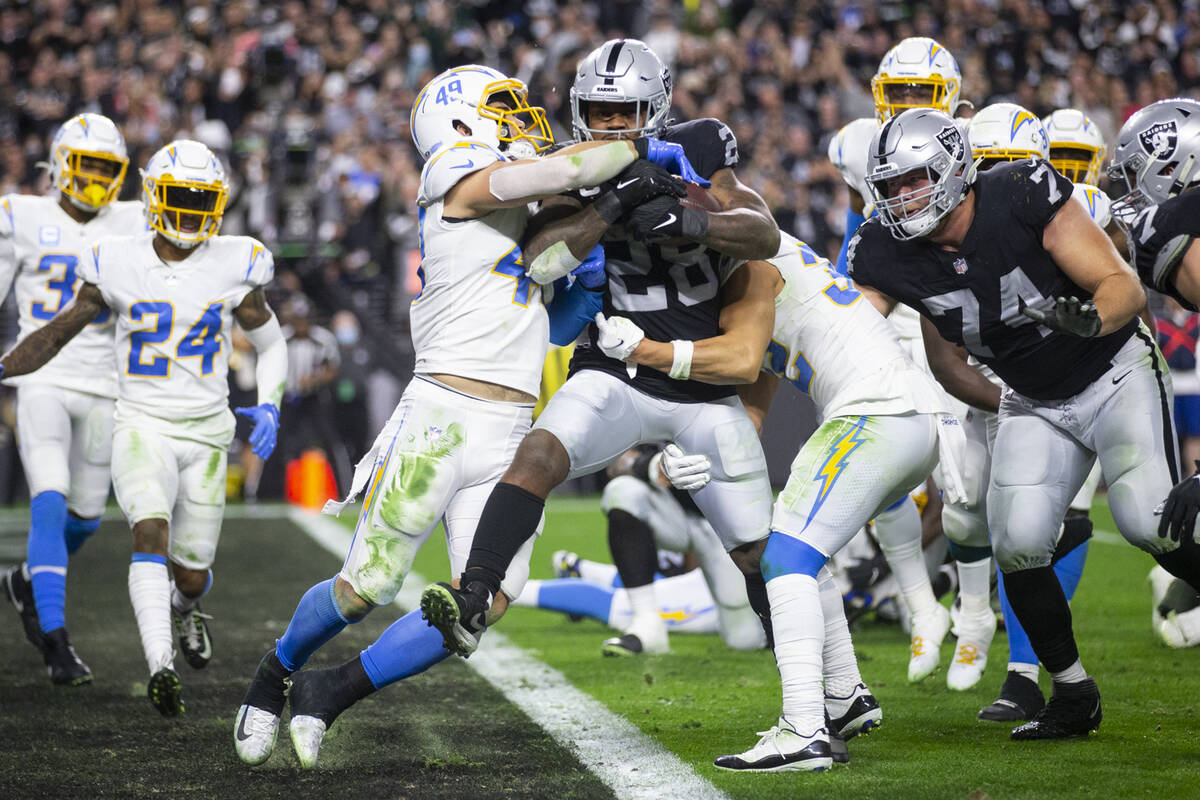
619, 336
669, 155
665, 218
637, 183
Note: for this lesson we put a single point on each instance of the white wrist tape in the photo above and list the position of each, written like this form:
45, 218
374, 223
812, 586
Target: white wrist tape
681, 363
552, 263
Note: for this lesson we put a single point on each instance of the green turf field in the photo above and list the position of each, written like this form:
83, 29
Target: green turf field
449, 734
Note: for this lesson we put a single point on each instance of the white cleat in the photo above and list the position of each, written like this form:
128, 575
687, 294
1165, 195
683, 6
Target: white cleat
1181, 630
975, 634
643, 637
307, 733
928, 631
254, 734
782, 749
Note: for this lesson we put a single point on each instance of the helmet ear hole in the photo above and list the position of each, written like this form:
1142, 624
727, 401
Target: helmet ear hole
462, 127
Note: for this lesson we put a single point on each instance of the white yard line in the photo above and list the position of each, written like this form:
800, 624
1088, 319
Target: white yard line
1108, 537
631, 763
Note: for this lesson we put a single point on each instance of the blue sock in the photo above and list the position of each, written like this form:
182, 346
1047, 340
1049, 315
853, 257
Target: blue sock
573, 596
78, 530
316, 621
1069, 570
409, 646
47, 557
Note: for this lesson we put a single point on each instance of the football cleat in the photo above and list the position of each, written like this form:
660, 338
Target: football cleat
194, 640
258, 718
782, 749
644, 637
19, 591
65, 668
1020, 698
858, 712
975, 634
1181, 630
838, 752
312, 712
458, 614
565, 564
928, 631
1073, 710
165, 692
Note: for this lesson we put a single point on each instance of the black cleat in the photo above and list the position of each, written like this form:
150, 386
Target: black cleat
19, 591
858, 712
165, 692
65, 668
317, 698
837, 745
194, 640
1020, 698
458, 614
1073, 710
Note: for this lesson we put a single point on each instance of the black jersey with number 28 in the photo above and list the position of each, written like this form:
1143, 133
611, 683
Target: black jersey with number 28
669, 292
1161, 238
974, 294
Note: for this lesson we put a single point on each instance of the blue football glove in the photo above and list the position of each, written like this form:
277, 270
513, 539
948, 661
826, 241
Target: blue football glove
266, 427
590, 273
670, 156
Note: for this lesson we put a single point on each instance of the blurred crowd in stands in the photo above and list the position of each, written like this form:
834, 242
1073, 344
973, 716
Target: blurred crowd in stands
308, 103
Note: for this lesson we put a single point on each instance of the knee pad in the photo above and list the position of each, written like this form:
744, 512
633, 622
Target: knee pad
786, 555
626, 493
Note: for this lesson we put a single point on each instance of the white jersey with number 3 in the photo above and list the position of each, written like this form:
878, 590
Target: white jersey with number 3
173, 324
478, 316
46, 248
835, 347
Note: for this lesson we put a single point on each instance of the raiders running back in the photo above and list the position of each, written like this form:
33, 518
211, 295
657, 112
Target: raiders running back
974, 295
669, 292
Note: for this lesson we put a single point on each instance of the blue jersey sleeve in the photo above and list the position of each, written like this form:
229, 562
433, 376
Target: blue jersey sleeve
853, 220
572, 308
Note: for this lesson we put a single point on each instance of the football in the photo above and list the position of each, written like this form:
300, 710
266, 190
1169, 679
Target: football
699, 198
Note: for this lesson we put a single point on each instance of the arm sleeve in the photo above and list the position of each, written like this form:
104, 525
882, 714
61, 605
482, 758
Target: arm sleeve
853, 220
271, 369
572, 308
555, 174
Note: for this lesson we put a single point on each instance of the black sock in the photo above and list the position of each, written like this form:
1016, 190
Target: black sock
1077, 529
350, 684
756, 591
632, 545
1038, 601
1183, 563
510, 517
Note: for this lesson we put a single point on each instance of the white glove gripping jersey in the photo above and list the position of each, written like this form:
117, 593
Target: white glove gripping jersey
478, 315
1097, 203
46, 248
835, 347
173, 323
848, 151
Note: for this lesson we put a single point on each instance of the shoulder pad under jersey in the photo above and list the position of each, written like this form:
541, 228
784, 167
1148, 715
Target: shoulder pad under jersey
1095, 201
449, 166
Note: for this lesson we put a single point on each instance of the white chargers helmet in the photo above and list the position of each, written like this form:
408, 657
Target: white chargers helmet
1006, 132
1156, 155
184, 192
488, 103
917, 73
928, 142
622, 71
88, 160
1076, 145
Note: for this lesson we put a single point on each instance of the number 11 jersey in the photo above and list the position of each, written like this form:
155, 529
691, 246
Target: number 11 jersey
974, 294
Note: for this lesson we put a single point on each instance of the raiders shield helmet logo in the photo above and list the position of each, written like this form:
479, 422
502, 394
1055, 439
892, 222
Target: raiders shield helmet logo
1159, 140
952, 141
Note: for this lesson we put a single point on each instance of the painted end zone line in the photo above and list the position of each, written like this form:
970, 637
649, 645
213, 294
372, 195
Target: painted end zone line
632, 764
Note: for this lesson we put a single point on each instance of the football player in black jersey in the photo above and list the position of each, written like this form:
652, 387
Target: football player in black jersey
1004, 265
1157, 157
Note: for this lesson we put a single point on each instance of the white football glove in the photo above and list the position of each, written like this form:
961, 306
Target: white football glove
686, 472
619, 336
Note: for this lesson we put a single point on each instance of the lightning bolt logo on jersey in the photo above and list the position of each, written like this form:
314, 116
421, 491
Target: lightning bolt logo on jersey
831, 470
45, 247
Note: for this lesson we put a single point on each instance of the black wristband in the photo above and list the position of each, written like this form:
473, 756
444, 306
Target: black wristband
694, 223
608, 206
642, 146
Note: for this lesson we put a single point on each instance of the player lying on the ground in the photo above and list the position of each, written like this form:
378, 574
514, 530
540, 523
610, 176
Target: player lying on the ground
174, 292
480, 332
65, 410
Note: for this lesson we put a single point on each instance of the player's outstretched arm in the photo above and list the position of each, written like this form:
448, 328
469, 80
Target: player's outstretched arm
37, 348
263, 331
1085, 253
736, 356
948, 363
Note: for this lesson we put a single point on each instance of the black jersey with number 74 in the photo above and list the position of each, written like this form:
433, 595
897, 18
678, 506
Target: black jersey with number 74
974, 294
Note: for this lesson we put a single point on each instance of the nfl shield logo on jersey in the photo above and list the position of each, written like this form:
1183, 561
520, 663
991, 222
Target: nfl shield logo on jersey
960, 266
1159, 140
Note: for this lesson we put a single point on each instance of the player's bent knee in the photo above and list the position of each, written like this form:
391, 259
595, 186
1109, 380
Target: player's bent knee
150, 536
748, 557
626, 493
350, 603
541, 463
787, 555
965, 526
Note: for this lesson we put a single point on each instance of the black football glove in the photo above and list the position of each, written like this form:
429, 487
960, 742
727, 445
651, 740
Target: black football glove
1069, 315
664, 218
1180, 508
636, 184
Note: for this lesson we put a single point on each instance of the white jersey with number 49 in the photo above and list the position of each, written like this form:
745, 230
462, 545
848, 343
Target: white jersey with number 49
45, 248
173, 322
834, 346
478, 316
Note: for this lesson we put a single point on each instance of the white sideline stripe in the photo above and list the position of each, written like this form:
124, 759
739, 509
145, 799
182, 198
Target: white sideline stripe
1108, 537
629, 762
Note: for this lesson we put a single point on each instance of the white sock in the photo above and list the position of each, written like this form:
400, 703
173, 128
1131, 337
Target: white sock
799, 639
1072, 674
150, 593
644, 604
899, 535
840, 665
1021, 668
596, 572
529, 595
975, 585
